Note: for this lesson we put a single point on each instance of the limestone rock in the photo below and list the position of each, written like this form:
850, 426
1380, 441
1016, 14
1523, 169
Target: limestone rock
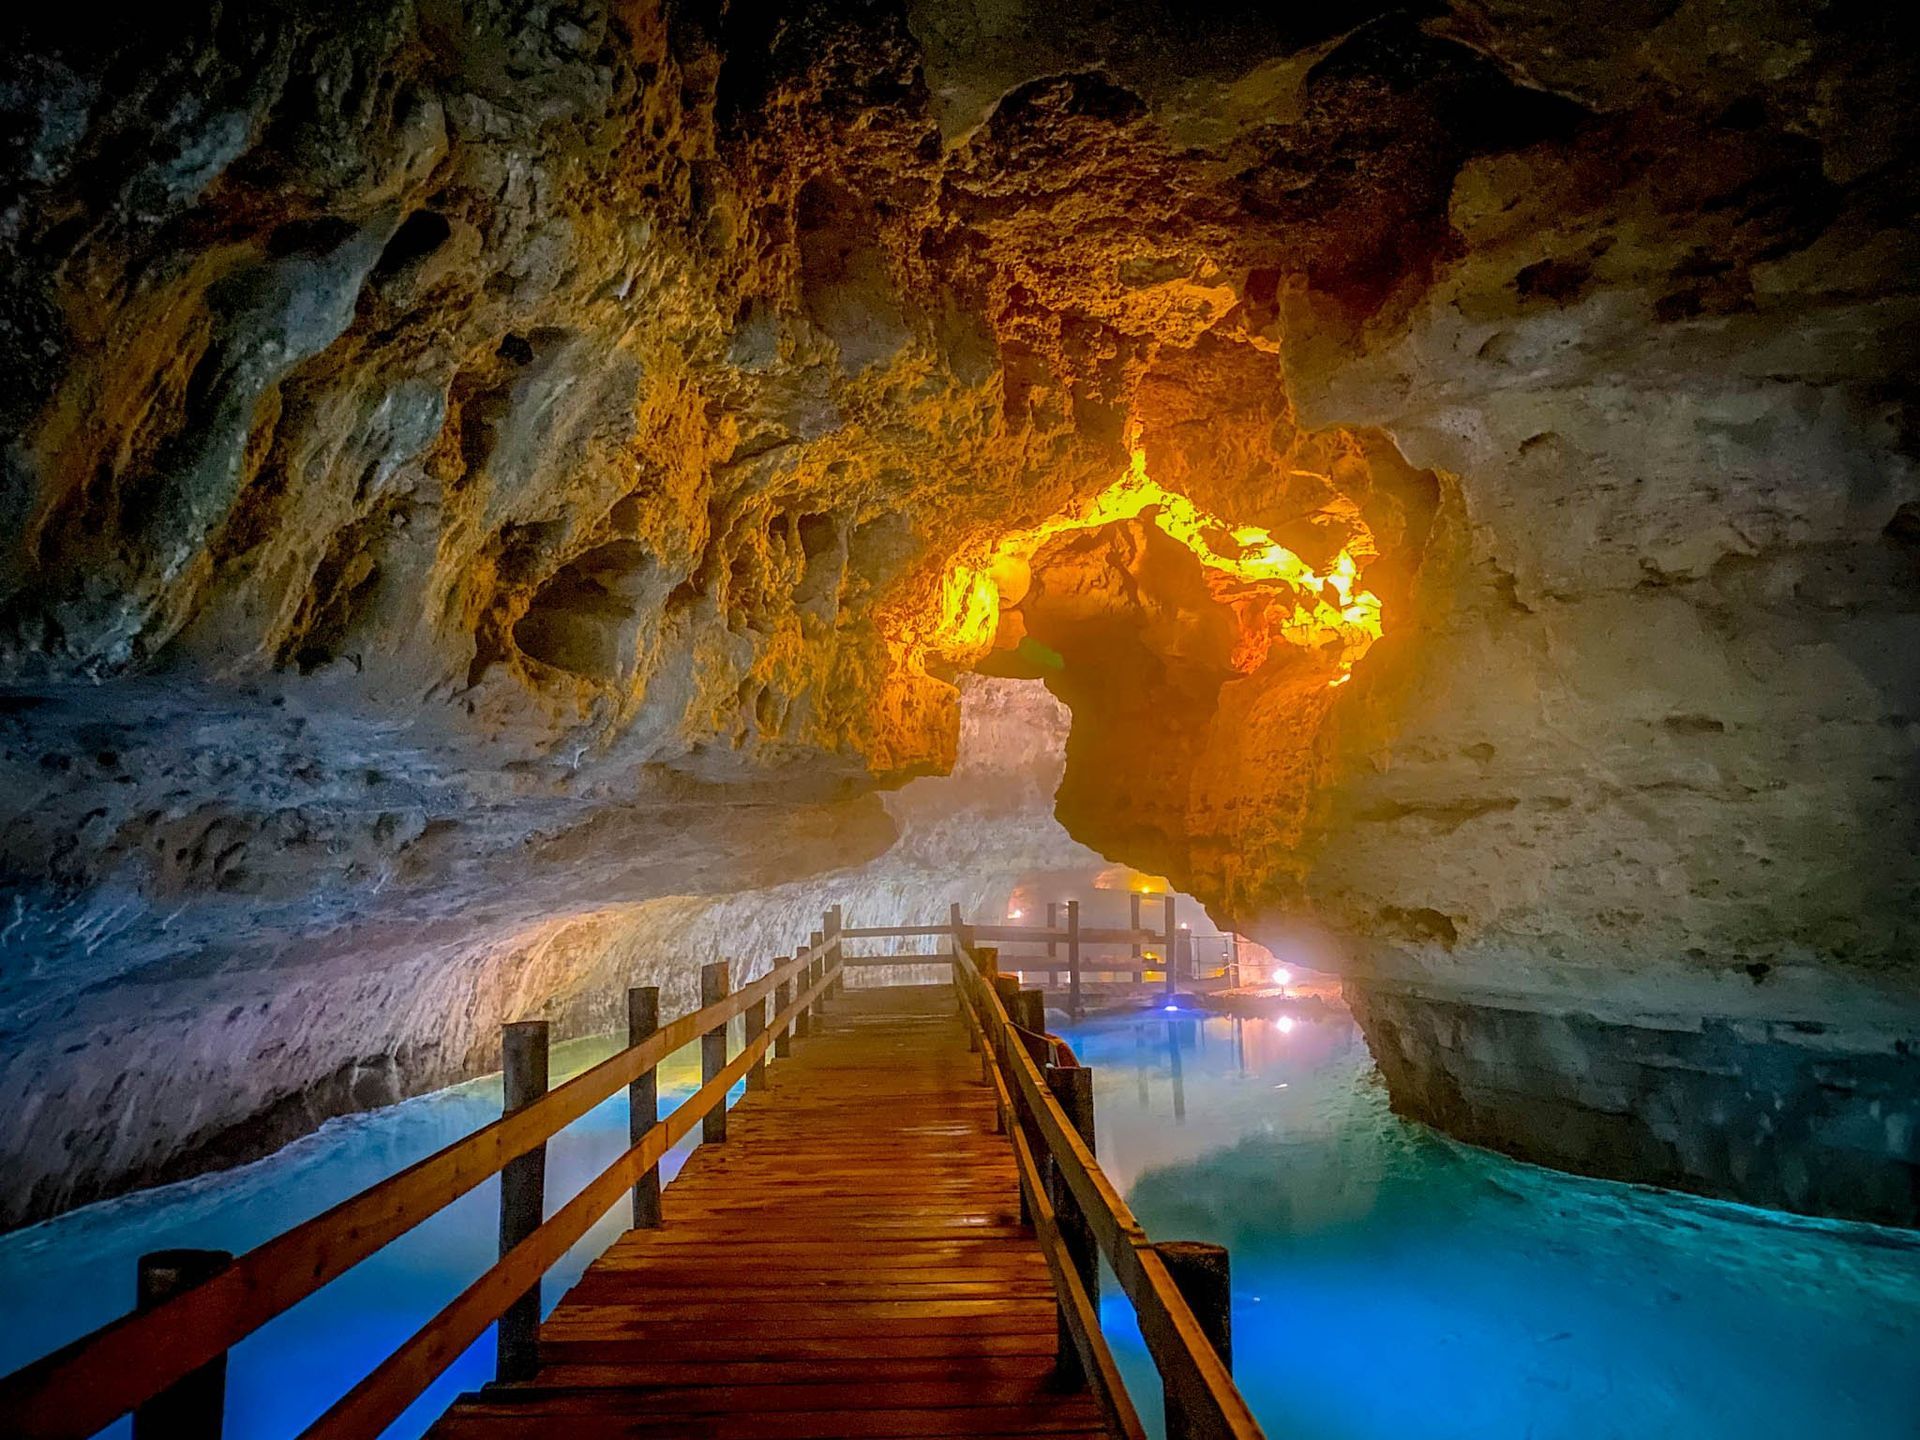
468, 471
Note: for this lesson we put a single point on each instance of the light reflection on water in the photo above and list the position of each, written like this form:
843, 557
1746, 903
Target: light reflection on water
1389, 1283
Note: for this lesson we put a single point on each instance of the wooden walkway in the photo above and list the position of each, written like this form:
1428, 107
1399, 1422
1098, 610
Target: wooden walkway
850, 1262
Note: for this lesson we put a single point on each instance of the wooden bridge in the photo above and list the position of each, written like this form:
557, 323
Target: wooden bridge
895, 1233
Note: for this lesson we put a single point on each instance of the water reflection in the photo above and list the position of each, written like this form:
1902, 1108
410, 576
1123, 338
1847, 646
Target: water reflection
1387, 1283
1390, 1283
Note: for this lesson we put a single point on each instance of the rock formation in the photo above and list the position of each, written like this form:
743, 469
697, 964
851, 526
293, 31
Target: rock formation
475, 471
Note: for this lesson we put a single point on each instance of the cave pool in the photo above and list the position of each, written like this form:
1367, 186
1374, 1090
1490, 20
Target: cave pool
1387, 1282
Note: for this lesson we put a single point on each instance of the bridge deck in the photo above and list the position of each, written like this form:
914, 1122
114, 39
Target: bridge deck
849, 1263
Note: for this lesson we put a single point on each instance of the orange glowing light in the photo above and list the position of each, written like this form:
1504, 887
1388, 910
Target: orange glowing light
1264, 581
1125, 877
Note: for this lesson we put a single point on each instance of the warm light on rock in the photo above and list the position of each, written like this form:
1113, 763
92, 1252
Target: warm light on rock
1272, 591
473, 477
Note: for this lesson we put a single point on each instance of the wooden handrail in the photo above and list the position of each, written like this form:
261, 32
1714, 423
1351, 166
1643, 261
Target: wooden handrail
1008, 934
1043, 934
378, 1400
1083, 1317
86, 1385
1181, 1352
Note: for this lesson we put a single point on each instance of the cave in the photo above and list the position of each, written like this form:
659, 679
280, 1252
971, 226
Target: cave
505, 504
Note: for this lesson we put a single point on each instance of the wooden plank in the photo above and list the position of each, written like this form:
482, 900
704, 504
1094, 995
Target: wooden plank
378, 1399
848, 1265
496, 1417
637, 1367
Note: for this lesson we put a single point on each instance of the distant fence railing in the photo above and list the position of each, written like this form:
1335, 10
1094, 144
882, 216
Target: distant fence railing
1063, 947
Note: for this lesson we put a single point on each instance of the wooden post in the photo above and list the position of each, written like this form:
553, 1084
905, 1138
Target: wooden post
836, 948
1029, 1010
1166, 959
1073, 958
782, 998
713, 1051
523, 1195
1074, 1090
1053, 946
959, 958
756, 1026
816, 972
802, 982
1200, 1272
194, 1406
1133, 923
643, 1102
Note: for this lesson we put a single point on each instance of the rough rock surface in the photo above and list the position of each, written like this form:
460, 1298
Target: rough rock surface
468, 470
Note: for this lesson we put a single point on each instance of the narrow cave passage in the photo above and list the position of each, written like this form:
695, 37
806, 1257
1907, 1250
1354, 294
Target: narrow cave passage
514, 520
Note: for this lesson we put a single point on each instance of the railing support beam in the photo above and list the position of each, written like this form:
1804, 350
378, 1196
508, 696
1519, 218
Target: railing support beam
1073, 959
836, 948
643, 1102
1073, 1088
713, 1050
1168, 952
756, 1025
194, 1406
1203, 1276
782, 998
523, 1194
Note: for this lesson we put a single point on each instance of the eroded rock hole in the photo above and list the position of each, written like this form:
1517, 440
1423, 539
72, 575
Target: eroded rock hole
583, 620
419, 235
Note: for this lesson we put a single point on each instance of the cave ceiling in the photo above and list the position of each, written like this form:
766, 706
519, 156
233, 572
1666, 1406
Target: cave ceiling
465, 462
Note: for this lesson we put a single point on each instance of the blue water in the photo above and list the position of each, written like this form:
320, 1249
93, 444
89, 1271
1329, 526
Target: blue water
1389, 1283
66, 1277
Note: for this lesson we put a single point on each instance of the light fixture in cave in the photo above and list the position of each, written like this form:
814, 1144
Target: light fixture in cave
1271, 589
1125, 877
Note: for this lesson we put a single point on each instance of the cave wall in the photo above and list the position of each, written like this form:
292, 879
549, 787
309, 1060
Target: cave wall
472, 472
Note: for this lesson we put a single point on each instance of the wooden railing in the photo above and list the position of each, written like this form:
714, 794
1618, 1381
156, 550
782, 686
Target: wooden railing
165, 1361
1179, 1290
155, 1356
1065, 943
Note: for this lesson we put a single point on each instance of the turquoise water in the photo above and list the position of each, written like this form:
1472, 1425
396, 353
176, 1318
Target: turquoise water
64, 1278
1388, 1283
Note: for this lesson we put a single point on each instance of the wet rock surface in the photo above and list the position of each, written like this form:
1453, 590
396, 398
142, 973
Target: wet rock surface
466, 470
